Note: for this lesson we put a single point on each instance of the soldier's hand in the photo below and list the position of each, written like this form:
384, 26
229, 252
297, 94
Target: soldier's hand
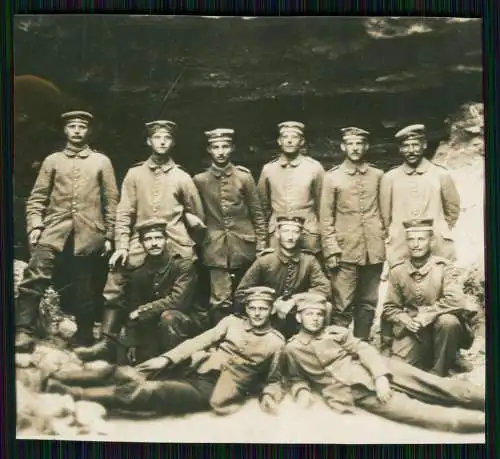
383, 389
414, 326
268, 405
108, 248
154, 364
304, 399
133, 315
131, 355
35, 236
119, 257
283, 307
333, 262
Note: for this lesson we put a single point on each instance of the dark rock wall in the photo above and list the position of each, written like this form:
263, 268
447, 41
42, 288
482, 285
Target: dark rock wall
378, 73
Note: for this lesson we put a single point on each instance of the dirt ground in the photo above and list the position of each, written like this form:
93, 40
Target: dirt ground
292, 425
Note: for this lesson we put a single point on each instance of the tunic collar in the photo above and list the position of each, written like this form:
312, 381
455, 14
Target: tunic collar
306, 339
247, 326
420, 169
352, 169
218, 171
295, 258
81, 153
422, 271
159, 264
284, 162
164, 167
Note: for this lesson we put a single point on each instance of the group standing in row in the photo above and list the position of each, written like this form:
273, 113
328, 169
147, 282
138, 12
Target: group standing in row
297, 229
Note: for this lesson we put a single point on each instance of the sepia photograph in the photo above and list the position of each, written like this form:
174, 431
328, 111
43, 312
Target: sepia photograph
249, 229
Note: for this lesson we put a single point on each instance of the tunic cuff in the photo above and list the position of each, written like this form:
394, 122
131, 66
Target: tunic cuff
35, 223
296, 388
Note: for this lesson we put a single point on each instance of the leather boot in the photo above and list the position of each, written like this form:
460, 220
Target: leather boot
84, 335
104, 395
106, 348
86, 377
363, 321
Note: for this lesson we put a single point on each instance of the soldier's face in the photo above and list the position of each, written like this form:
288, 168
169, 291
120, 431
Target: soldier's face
312, 320
290, 142
220, 152
288, 235
161, 142
419, 243
354, 148
154, 243
413, 151
76, 132
258, 313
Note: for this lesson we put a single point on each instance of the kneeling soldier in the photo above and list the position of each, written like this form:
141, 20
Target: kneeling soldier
288, 270
229, 362
349, 373
159, 301
424, 308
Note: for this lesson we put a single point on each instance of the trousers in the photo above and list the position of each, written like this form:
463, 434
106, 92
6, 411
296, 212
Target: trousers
80, 288
188, 394
355, 294
426, 400
222, 284
156, 336
435, 349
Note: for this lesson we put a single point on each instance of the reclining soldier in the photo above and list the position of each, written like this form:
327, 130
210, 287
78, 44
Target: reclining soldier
160, 302
228, 363
349, 373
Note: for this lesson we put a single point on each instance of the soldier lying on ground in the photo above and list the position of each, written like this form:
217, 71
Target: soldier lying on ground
232, 361
425, 319
350, 373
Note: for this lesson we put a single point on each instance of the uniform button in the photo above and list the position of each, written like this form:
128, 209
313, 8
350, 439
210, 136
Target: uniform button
73, 211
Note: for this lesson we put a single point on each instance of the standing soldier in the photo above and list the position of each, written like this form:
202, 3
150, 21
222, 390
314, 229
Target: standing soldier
353, 234
156, 188
235, 222
418, 189
292, 184
71, 209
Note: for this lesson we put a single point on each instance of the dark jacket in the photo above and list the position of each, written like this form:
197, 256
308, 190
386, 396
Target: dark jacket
287, 276
161, 284
235, 222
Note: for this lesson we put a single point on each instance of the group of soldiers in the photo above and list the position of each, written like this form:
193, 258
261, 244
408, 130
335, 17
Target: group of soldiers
296, 257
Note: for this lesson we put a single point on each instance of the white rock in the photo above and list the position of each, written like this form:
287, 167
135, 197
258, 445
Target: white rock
23, 360
67, 328
88, 413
